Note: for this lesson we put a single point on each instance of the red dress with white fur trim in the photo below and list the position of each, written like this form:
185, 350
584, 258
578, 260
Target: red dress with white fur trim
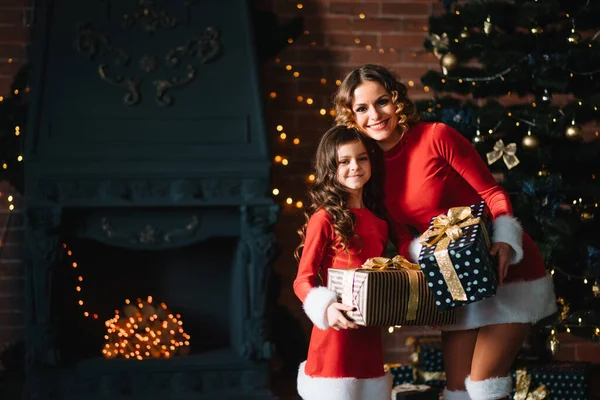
435, 168
345, 364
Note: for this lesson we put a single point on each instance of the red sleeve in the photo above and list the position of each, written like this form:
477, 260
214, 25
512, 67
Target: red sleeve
319, 234
401, 237
464, 159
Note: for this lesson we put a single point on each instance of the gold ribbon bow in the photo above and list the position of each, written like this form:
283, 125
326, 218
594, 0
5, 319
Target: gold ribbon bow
399, 262
446, 228
507, 153
439, 44
522, 388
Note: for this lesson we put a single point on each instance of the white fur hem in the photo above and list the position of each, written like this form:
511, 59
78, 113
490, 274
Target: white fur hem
514, 302
489, 389
508, 230
317, 388
316, 303
456, 395
415, 249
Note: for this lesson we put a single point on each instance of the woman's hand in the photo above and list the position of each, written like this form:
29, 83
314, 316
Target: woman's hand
502, 251
336, 318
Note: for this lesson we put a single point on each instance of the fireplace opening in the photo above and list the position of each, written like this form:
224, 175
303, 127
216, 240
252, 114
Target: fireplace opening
194, 282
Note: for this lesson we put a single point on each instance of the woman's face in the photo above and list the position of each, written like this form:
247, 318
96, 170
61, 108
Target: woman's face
375, 113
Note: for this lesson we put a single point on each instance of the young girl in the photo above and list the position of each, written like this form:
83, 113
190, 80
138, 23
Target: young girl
430, 168
343, 230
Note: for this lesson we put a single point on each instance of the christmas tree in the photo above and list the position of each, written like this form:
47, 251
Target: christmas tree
521, 80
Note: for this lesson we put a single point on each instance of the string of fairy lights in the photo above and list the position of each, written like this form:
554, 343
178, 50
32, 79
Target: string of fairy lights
447, 62
142, 330
295, 72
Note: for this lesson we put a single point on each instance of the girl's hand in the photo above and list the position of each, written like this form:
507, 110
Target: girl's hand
502, 250
336, 318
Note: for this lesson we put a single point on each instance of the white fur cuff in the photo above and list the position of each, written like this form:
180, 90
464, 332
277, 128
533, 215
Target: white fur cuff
316, 303
508, 230
456, 395
415, 249
489, 389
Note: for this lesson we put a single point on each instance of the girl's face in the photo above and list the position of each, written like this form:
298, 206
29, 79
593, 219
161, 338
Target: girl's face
354, 166
375, 113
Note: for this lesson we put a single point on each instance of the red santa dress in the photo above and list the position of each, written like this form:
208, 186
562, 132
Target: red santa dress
434, 168
345, 364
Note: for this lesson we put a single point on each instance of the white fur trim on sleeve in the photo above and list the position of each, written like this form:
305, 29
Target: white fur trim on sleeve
316, 303
508, 230
489, 389
415, 249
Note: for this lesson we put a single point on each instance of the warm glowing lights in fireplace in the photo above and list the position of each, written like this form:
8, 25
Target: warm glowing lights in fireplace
78, 286
144, 330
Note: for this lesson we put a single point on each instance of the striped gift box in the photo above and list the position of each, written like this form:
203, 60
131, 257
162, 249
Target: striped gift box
385, 297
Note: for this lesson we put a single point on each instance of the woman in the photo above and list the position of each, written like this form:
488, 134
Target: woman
430, 168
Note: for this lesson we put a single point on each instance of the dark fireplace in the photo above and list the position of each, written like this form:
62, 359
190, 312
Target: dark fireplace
147, 174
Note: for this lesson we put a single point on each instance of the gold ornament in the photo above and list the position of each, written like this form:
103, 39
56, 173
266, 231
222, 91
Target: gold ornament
487, 25
536, 29
573, 132
530, 141
449, 62
596, 289
410, 341
414, 358
439, 44
507, 153
574, 37
564, 308
553, 344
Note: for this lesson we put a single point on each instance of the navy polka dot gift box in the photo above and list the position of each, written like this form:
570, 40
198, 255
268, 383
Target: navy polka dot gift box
455, 256
560, 380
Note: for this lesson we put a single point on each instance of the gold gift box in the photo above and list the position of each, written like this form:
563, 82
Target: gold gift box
387, 292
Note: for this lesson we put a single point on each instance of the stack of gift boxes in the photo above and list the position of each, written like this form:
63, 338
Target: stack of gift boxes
547, 381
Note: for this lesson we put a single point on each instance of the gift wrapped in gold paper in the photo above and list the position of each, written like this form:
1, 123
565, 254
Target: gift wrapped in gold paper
387, 292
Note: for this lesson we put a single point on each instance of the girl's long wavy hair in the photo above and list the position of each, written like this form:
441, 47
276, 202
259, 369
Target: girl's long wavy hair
405, 108
329, 194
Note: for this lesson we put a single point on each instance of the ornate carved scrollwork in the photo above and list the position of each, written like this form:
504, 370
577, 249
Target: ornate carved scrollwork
206, 48
149, 17
150, 235
162, 86
42, 244
258, 253
131, 84
91, 44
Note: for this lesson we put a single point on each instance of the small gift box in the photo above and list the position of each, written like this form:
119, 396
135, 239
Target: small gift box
455, 256
400, 373
426, 359
553, 381
409, 391
387, 292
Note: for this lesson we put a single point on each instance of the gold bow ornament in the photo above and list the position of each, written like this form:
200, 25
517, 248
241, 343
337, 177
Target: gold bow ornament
507, 153
445, 229
439, 44
399, 262
523, 384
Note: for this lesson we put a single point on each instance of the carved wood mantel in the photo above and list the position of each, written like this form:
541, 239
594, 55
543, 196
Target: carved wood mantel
141, 110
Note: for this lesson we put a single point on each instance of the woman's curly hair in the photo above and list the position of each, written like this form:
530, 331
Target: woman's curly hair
329, 194
405, 108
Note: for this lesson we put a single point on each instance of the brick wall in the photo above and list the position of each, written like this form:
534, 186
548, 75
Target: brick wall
15, 17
